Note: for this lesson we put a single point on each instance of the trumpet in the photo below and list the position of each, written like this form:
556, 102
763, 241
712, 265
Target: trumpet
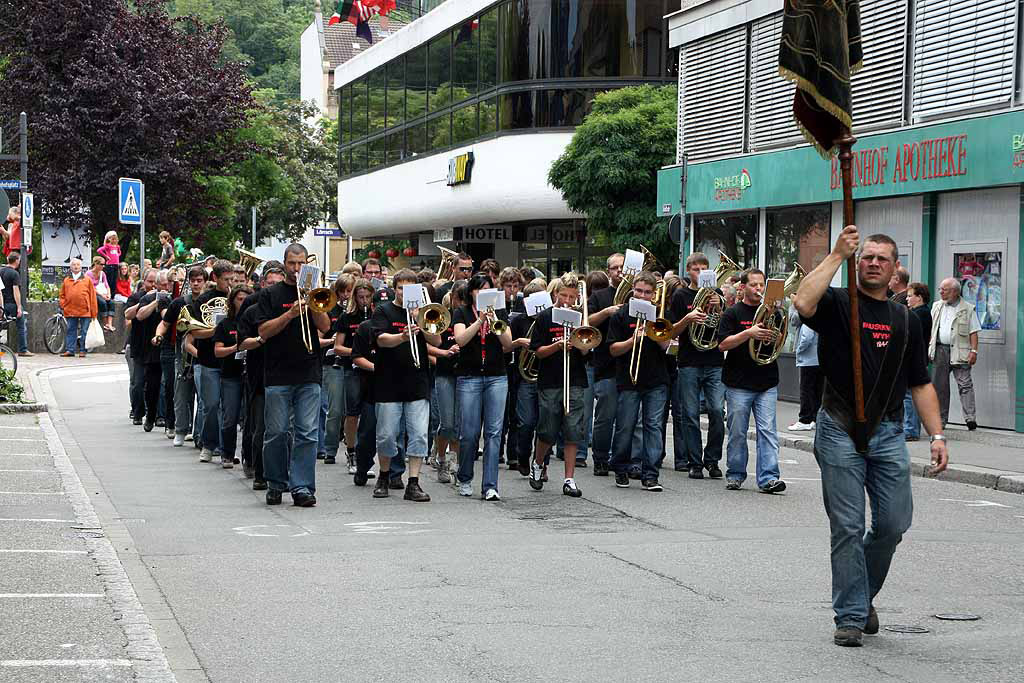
626, 284
704, 336
661, 329
768, 316
585, 337
528, 360
433, 318
498, 326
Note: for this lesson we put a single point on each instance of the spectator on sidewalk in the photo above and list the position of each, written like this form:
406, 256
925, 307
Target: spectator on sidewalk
898, 286
918, 298
11, 297
104, 304
812, 381
12, 232
954, 348
78, 301
123, 288
166, 250
111, 253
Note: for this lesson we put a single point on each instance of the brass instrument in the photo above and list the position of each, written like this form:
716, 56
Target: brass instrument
528, 360
317, 300
637, 350
208, 313
585, 337
249, 261
770, 316
433, 318
565, 368
661, 329
704, 336
498, 326
626, 284
449, 262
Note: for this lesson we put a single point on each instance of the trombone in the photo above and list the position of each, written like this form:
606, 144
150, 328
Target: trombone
661, 329
565, 367
585, 337
528, 360
317, 300
638, 348
433, 318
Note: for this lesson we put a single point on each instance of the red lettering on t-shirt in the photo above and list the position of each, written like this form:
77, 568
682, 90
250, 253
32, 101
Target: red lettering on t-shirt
880, 333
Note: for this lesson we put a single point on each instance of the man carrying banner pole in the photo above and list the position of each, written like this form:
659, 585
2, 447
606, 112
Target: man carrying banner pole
858, 447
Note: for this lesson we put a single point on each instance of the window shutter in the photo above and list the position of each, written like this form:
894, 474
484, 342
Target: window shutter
771, 96
878, 86
712, 95
963, 54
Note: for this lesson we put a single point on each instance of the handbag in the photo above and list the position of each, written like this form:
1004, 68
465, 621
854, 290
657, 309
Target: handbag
103, 289
94, 336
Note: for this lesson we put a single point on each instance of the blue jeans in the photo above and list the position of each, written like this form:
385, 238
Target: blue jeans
527, 412
444, 394
167, 386
689, 384
291, 410
208, 417
605, 400
77, 327
332, 410
762, 403
184, 398
588, 417
392, 417
483, 404
860, 562
911, 422
230, 408
11, 311
652, 402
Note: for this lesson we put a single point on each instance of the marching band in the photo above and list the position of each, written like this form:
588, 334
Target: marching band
448, 368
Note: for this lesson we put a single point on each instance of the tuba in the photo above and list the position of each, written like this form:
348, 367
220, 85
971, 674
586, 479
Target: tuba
446, 268
770, 316
626, 284
704, 336
249, 261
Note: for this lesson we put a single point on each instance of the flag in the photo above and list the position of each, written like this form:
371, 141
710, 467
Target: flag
820, 50
358, 13
466, 31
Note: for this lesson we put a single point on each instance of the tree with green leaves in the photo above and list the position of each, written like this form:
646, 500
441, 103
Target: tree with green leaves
609, 170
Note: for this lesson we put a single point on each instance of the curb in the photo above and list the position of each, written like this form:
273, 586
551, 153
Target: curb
1009, 482
17, 408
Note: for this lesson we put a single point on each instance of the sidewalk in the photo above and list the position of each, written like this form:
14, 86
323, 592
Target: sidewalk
986, 457
46, 361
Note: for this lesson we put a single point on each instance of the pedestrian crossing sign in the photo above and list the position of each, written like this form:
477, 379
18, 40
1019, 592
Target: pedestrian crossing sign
131, 201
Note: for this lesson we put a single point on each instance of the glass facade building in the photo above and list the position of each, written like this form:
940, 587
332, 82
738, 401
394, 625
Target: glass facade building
516, 66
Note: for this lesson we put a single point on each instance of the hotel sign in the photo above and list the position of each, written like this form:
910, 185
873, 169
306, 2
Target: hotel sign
460, 169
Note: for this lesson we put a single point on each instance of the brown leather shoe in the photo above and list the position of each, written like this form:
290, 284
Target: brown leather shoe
414, 493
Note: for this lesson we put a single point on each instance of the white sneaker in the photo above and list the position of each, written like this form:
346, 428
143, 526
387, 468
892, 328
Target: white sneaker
351, 464
466, 489
491, 495
205, 455
799, 426
179, 440
188, 437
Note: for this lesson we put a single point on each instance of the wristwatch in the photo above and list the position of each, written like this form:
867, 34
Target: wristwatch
936, 437
261, 340
974, 351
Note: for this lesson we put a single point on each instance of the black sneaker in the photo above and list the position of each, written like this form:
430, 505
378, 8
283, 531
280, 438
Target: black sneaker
259, 485
871, 627
321, 456
733, 485
524, 467
971, 425
136, 421
330, 460
600, 469
622, 480
360, 479
848, 636
570, 489
160, 422
633, 474
414, 493
774, 486
148, 427
273, 497
381, 489
303, 499
714, 471
582, 464
536, 477
652, 485
696, 472
397, 484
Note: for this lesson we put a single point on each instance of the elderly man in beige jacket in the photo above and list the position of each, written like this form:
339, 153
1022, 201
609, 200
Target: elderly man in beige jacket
954, 348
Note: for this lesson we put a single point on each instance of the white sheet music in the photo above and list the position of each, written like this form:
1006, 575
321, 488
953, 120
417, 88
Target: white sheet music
566, 316
634, 262
642, 310
537, 303
488, 298
707, 279
412, 296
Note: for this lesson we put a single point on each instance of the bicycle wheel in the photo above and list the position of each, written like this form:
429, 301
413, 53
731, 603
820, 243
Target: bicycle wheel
55, 332
8, 359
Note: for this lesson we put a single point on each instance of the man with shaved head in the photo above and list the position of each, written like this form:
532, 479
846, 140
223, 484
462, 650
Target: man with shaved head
954, 349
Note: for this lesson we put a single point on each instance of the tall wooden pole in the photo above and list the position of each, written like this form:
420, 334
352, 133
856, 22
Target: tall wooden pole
860, 432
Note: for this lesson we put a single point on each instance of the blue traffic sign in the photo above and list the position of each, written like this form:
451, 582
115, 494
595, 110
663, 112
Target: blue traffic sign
10, 184
131, 201
28, 210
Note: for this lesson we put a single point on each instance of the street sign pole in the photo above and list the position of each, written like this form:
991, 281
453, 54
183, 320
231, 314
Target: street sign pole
23, 153
254, 229
142, 230
131, 203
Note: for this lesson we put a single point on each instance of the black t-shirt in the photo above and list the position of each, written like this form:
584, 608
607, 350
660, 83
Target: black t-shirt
653, 370
924, 317
247, 329
9, 276
740, 371
478, 359
832, 323
170, 316
550, 369
334, 314
347, 325
600, 358
143, 331
396, 379
447, 367
520, 324
288, 361
206, 356
227, 334
363, 347
135, 333
689, 355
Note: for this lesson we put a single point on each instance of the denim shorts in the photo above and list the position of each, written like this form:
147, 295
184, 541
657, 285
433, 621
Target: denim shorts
353, 392
553, 419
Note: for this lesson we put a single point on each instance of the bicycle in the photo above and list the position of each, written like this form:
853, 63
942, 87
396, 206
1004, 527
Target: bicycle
8, 359
55, 332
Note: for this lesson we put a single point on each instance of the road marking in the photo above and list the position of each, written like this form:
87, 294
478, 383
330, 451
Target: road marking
92, 663
25, 455
102, 379
36, 519
33, 440
36, 428
50, 552
71, 372
32, 493
27, 471
976, 503
383, 528
256, 531
51, 595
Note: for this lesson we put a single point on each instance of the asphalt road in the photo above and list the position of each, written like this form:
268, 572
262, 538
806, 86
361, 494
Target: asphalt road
694, 583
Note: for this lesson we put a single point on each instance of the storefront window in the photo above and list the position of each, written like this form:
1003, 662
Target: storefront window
465, 125
396, 92
981, 285
378, 95
465, 46
416, 82
439, 72
735, 235
797, 235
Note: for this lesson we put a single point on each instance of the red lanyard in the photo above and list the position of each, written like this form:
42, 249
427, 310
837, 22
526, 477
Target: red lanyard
485, 328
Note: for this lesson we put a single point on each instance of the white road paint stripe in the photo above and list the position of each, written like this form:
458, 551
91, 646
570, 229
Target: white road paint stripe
90, 370
40, 471
25, 455
90, 663
32, 493
35, 428
34, 440
36, 519
44, 552
50, 595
